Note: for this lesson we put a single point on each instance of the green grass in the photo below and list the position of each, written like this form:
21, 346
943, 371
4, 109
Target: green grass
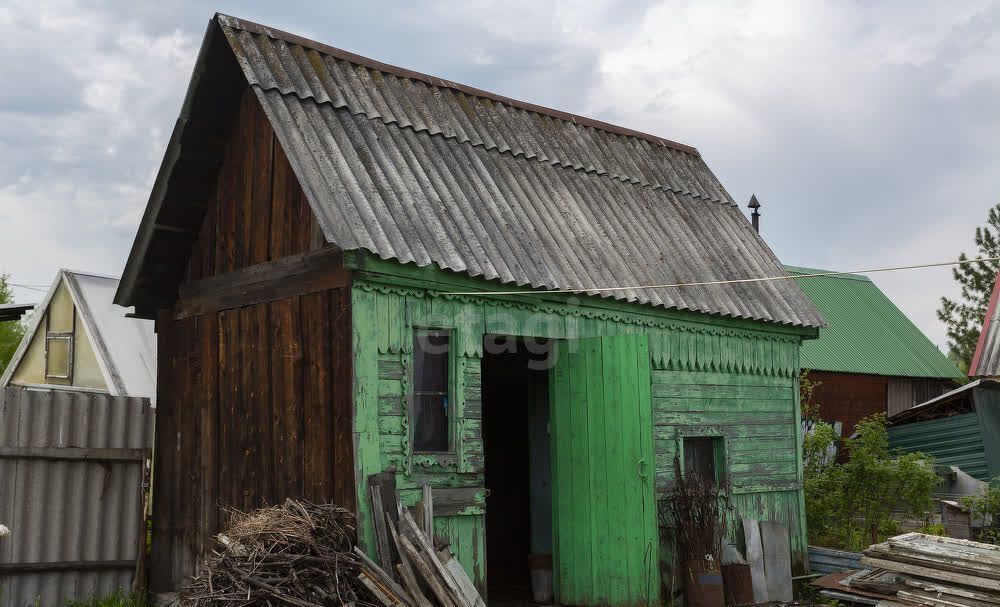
118, 598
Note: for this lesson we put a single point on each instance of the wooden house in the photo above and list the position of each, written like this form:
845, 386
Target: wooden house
356, 268
870, 358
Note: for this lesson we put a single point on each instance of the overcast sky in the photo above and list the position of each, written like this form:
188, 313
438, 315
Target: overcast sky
869, 131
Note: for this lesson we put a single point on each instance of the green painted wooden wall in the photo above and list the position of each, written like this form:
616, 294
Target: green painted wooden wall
734, 378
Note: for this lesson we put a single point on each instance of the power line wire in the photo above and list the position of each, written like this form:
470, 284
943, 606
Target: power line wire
32, 287
729, 282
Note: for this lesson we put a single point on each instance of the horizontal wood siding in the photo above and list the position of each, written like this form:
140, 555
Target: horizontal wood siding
739, 381
755, 415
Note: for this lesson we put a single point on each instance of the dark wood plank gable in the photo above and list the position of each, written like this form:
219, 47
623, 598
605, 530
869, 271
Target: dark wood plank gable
260, 212
255, 364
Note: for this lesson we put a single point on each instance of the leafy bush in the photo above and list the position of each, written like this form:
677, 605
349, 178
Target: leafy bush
118, 598
986, 506
848, 503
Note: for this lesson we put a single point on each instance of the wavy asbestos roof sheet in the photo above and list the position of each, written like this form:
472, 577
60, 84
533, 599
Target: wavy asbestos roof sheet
422, 170
866, 332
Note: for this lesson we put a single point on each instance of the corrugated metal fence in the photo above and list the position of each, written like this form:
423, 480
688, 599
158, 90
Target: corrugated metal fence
71, 472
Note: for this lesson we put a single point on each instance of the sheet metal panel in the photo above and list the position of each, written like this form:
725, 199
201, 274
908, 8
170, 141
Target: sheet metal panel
828, 560
126, 346
987, 401
986, 361
423, 172
953, 441
866, 333
61, 511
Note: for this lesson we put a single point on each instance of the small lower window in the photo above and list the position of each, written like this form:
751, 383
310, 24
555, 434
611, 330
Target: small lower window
704, 458
431, 405
58, 355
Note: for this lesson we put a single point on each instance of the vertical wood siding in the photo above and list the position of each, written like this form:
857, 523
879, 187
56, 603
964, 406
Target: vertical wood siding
741, 382
259, 212
254, 402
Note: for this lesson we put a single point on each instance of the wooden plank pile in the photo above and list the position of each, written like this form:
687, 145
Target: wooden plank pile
412, 571
932, 571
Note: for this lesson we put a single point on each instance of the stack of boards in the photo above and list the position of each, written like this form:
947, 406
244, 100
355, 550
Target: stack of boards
932, 571
412, 572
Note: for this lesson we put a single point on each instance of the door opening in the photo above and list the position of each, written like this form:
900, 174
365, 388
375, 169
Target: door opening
518, 466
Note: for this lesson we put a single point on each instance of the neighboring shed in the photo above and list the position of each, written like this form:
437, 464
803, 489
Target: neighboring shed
870, 357
960, 428
11, 312
328, 250
78, 339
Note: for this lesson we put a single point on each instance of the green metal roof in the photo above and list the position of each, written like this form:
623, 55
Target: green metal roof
866, 332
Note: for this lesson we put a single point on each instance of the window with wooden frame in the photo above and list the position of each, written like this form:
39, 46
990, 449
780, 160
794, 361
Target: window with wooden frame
431, 406
705, 458
59, 352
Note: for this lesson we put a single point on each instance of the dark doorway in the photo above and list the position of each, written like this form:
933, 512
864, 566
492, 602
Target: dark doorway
517, 452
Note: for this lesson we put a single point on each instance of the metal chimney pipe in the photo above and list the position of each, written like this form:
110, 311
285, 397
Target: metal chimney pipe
754, 205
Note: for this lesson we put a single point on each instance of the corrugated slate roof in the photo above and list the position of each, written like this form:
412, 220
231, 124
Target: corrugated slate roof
422, 170
986, 360
866, 332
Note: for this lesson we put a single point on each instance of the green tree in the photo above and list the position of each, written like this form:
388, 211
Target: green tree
11, 332
848, 503
964, 316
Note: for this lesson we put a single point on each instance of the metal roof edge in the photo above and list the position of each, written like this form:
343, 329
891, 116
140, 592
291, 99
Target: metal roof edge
987, 321
263, 30
125, 294
801, 270
985, 383
29, 332
112, 378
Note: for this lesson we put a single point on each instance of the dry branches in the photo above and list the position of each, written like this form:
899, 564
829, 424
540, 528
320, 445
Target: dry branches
297, 554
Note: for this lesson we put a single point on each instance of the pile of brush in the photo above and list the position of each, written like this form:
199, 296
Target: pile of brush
295, 554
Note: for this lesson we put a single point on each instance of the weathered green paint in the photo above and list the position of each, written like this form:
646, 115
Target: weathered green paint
602, 448
730, 377
468, 543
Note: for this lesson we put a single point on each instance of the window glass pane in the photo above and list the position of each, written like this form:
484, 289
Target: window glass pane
58, 357
430, 423
700, 458
430, 361
430, 390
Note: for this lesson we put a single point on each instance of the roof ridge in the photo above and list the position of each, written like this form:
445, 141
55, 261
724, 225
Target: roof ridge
86, 273
827, 273
276, 34
541, 158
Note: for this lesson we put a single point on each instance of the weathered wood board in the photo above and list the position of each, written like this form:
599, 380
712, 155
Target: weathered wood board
777, 561
755, 556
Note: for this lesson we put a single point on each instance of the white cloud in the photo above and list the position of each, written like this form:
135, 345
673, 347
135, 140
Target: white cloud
869, 131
